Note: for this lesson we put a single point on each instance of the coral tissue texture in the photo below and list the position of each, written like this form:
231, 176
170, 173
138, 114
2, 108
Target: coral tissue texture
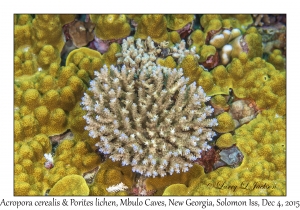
139, 122
119, 104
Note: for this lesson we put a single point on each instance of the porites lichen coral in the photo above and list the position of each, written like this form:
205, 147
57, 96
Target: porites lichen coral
263, 169
70, 185
47, 29
111, 26
154, 26
178, 21
29, 165
248, 78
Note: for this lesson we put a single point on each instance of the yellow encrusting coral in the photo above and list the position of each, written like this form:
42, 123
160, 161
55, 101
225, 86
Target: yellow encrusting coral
31, 98
214, 24
110, 56
47, 55
85, 58
178, 21
30, 125
42, 114
66, 18
47, 83
51, 99
68, 99
254, 42
110, 26
225, 123
176, 189
191, 68
262, 171
197, 39
25, 62
21, 188
47, 29
77, 122
174, 37
154, 26
160, 183
70, 185
43, 100
77, 86
225, 140
40, 39
205, 19
264, 168
277, 60
168, 62
22, 30
82, 156
29, 165
241, 21
206, 51
248, 78
219, 102
58, 121
111, 173
72, 157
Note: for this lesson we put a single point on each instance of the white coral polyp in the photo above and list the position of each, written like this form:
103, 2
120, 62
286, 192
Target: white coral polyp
148, 118
116, 188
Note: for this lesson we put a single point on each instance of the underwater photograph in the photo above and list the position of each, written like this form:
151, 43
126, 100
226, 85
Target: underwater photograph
149, 105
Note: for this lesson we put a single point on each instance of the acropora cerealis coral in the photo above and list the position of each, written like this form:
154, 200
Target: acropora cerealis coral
240, 65
140, 124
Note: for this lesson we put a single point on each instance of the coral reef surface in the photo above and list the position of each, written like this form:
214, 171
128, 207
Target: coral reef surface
149, 104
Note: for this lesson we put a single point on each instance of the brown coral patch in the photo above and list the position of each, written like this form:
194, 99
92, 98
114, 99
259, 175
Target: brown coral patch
212, 61
56, 139
81, 32
208, 158
185, 31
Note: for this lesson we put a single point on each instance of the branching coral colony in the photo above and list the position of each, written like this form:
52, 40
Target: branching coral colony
147, 115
